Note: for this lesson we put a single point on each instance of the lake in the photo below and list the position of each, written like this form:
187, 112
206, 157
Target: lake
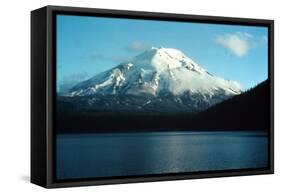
124, 154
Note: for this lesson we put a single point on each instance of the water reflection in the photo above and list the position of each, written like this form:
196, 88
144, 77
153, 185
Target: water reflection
102, 155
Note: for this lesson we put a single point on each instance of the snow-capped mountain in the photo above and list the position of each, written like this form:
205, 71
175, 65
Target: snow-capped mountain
159, 79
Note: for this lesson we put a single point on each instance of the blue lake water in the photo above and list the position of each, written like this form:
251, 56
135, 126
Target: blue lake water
125, 154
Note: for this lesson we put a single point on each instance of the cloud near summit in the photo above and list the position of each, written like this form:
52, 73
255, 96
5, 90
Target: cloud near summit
238, 43
137, 46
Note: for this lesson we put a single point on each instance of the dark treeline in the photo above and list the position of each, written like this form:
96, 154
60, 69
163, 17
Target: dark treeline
248, 111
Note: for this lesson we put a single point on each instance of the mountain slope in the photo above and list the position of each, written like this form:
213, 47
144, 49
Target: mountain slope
156, 81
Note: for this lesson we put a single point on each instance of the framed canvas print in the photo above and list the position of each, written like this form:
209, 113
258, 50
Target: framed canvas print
126, 96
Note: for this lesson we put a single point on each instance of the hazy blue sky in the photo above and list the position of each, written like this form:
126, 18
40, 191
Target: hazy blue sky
89, 45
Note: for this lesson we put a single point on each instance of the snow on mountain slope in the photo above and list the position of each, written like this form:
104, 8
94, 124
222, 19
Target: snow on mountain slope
155, 72
158, 81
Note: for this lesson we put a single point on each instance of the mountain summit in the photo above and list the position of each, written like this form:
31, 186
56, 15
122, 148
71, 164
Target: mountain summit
157, 80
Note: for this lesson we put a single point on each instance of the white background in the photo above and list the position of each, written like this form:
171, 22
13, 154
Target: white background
15, 95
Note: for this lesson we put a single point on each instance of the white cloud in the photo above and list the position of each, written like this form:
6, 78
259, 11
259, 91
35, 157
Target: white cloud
238, 44
137, 46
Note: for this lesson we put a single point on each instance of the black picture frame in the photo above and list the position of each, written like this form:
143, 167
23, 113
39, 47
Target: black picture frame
43, 93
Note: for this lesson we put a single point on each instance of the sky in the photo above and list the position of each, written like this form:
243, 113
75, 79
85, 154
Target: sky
88, 45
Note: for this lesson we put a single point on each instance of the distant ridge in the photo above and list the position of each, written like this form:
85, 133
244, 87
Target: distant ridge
247, 111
